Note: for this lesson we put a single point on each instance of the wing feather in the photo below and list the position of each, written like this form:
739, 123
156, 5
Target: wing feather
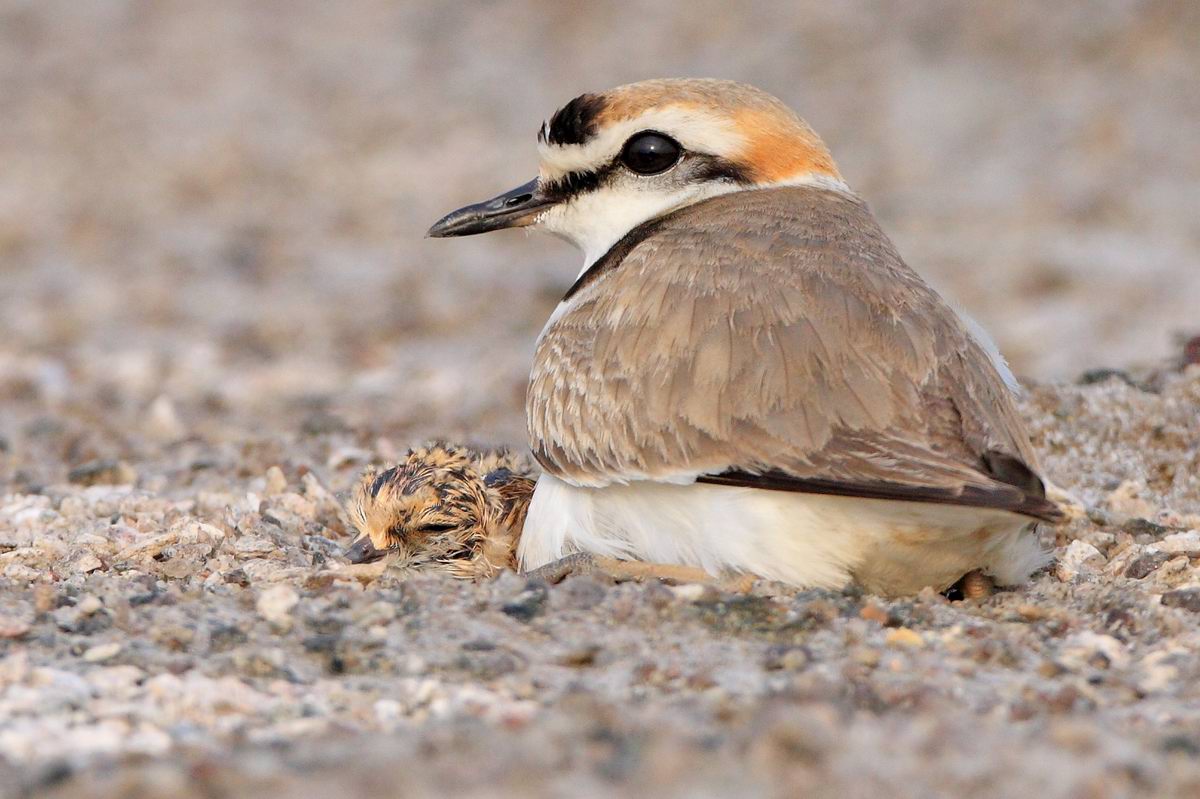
775, 338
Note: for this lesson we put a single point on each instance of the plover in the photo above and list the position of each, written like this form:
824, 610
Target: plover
745, 377
443, 506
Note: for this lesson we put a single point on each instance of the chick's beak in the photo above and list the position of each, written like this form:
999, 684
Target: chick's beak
363, 551
516, 208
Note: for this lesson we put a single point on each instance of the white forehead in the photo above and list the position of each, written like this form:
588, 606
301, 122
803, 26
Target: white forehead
697, 129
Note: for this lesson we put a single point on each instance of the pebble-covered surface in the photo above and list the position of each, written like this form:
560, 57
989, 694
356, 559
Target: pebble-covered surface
179, 622
216, 307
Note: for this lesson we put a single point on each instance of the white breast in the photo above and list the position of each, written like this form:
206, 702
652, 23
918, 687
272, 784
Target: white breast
806, 540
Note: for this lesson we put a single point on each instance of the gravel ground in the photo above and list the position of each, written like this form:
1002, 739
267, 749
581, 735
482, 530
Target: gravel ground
216, 308
179, 622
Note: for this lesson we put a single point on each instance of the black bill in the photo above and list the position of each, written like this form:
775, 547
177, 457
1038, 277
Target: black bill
516, 208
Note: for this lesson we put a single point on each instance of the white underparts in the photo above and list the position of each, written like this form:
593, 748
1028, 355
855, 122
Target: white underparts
806, 540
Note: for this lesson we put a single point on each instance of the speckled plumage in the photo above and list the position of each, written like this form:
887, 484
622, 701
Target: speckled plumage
443, 506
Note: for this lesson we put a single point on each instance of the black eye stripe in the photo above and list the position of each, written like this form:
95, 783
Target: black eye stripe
706, 168
574, 183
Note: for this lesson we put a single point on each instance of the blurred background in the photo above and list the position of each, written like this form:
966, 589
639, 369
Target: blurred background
213, 213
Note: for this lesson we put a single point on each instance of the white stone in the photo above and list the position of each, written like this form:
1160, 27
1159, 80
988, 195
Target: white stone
1080, 649
1188, 542
102, 652
162, 420
276, 482
1078, 559
275, 604
254, 545
87, 562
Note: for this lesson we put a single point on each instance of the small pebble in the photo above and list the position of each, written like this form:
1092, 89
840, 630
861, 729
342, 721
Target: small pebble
527, 604
103, 472
275, 604
1079, 559
102, 652
1146, 565
1185, 598
276, 482
904, 637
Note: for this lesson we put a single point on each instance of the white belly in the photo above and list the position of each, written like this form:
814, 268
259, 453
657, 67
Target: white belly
807, 540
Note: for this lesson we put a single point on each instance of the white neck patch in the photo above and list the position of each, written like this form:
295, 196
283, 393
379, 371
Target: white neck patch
596, 220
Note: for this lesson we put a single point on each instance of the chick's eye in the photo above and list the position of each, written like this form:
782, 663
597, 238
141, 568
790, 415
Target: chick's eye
650, 153
436, 528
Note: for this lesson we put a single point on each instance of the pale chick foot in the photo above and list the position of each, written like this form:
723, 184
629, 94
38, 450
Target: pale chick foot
621, 571
975, 585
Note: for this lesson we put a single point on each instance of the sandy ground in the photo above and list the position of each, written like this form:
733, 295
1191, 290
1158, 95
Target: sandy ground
211, 264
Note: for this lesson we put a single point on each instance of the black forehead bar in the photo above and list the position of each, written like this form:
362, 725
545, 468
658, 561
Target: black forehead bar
575, 122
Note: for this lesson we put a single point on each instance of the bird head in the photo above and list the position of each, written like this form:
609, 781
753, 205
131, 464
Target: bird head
611, 161
442, 504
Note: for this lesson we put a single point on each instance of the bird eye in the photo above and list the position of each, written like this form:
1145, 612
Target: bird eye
437, 528
649, 153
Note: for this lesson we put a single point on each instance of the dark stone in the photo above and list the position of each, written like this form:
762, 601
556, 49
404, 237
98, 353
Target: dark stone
144, 598
319, 543
88, 625
54, 773
1146, 565
1191, 352
237, 577
1145, 527
1183, 744
1094, 376
581, 657
323, 423
321, 643
489, 665
99, 472
528, 604
224, 637
1185, 598
479, 645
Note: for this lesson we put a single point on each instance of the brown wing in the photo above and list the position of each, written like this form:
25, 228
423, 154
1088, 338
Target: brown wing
775, 338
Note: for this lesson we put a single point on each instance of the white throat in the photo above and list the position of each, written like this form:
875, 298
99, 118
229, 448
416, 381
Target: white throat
597, 220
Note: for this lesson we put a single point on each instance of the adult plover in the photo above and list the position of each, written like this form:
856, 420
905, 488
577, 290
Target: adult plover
745, 377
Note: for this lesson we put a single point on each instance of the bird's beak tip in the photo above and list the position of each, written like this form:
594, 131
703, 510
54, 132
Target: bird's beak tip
516, 208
